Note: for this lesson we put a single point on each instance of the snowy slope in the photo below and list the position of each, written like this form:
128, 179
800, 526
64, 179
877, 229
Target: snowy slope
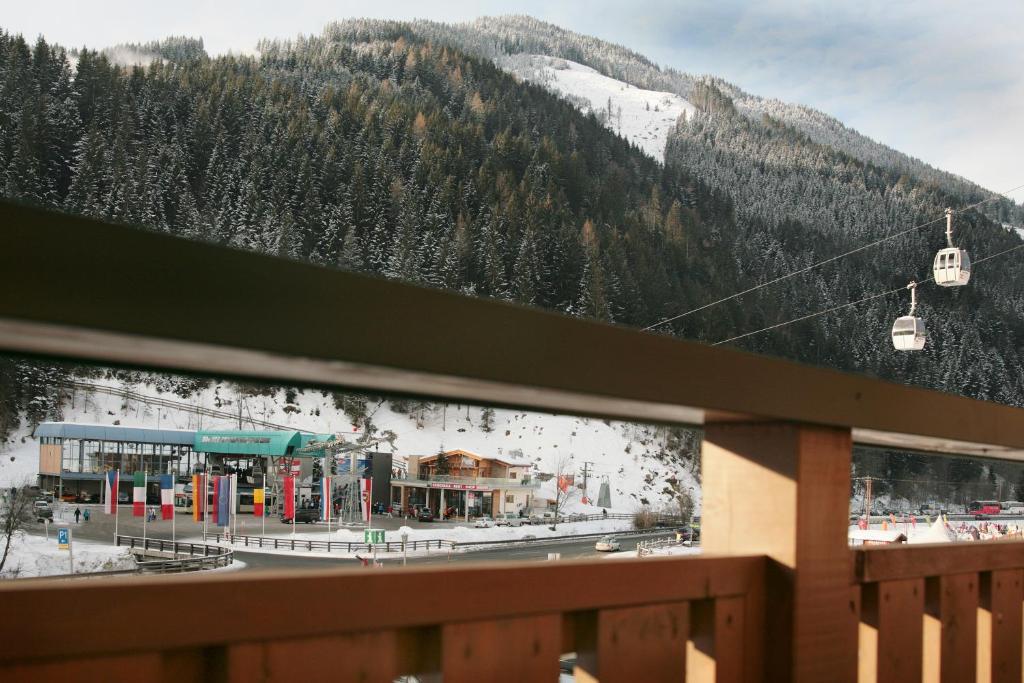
626, 455
32, 556
644, 117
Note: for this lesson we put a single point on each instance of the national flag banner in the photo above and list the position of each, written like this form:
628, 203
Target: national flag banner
112, 481
224, 500
325, 499
166, 496
289, 497
364, 498
257, 495
565, 481
139, 495
215, 505
197, 502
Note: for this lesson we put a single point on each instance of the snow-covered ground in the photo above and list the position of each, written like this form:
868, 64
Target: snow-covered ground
469, 534
628, 456
644, 117
32, 556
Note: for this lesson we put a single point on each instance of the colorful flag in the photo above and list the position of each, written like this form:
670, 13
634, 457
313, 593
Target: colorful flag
166, 496
223, 500
215, 505
364, 491
199, 496
139, 495
257, 495
289, 497
325, 499
565, 481
113, 479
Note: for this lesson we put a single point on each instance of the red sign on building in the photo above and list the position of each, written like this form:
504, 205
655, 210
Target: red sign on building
458, 487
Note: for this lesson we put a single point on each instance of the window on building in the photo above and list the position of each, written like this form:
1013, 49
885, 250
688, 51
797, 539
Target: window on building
512, 475
510, 499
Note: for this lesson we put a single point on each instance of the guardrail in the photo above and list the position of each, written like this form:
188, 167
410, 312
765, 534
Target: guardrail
200, 555
645, 548
329, 546
311, 545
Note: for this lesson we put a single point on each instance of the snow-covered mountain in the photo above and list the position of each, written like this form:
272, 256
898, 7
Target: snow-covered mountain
514, 40
644, 117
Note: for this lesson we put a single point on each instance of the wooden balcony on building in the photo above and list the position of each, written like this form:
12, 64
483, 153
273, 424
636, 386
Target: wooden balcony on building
778, 595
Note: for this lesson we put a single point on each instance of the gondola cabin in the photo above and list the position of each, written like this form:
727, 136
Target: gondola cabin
908, 333
952, 267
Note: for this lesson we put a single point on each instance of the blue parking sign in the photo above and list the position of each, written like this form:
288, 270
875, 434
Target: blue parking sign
63, 538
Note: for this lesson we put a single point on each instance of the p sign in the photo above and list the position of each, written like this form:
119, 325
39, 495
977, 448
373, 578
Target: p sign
63, 538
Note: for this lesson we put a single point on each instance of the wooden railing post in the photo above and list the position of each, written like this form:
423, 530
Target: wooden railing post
783, 490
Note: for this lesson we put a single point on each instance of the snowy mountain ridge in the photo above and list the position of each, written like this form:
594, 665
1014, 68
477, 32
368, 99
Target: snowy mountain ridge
644, 117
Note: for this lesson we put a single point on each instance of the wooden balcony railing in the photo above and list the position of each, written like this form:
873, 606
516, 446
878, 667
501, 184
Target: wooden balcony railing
778, 595
941, 613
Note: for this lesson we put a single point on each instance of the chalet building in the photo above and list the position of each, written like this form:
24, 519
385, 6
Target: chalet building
465, 484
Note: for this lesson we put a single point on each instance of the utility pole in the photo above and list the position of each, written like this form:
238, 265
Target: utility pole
867, 500
585, 473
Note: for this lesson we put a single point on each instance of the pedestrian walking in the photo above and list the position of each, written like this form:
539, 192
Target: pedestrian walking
86, 515
78, 513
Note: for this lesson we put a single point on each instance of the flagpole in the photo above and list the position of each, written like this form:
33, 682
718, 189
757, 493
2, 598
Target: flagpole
295, 503
145, 500
205, 505
117, 508
174, 518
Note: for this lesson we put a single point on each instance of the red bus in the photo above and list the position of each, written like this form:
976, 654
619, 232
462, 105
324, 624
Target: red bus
984, 507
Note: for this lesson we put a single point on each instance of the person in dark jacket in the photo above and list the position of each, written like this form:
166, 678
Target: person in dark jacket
78, 513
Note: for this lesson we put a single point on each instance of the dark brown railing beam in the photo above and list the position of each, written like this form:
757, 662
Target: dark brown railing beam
80, 289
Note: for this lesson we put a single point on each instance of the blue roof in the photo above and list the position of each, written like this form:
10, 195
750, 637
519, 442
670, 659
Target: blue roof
245, 442
94, 432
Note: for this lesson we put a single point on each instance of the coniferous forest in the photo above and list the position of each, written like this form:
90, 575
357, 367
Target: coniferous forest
390, 150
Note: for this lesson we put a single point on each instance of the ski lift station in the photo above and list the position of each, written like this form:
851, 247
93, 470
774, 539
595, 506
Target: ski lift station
74, 457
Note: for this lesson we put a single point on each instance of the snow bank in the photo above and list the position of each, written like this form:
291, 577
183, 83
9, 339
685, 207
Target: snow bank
36, 556
468, 534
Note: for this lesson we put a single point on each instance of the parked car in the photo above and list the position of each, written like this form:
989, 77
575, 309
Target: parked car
607, 544
483, 522
41, 509
303, 515
542, 518
688, 534
509, 519
123, 498
425, 515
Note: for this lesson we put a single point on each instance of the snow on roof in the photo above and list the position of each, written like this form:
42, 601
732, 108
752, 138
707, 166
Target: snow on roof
877, 536
936, 533
101, 432
514, 462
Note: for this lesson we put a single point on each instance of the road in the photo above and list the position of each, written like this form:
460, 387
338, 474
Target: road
569, 550
101, 528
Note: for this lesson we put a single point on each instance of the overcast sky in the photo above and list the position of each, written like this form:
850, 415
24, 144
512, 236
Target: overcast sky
941, 80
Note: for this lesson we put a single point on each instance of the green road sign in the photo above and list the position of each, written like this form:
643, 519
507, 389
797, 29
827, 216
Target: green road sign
373, 535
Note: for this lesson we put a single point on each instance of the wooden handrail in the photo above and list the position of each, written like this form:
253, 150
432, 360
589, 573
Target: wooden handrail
382, 599
896, 562
419, 341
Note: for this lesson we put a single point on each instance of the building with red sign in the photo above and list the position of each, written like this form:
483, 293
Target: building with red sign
461, 484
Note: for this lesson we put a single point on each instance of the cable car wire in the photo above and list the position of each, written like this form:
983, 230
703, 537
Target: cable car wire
826, 261
852, 303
